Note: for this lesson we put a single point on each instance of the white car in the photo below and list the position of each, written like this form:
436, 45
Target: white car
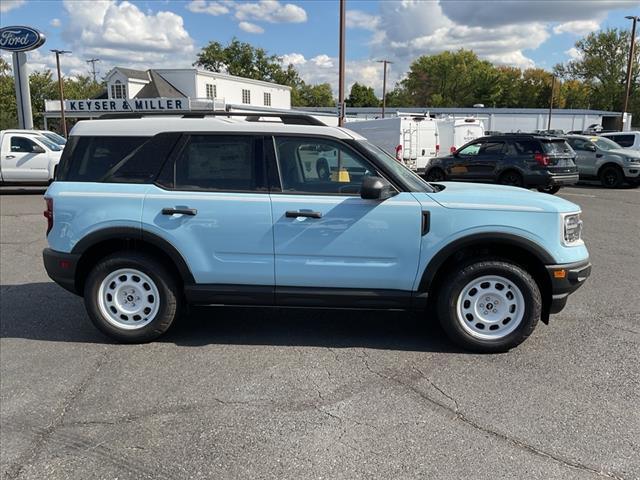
27, 157
630, 140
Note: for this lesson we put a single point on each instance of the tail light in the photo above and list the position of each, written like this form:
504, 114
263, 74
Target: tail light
437, 149
542, 159
399, 153
48, 214
452, 149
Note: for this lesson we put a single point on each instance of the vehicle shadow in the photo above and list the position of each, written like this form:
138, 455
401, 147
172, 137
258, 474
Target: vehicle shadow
46, 312
20, 190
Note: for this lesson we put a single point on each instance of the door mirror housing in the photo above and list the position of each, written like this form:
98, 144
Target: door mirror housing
590, 147
375, 188
37, 149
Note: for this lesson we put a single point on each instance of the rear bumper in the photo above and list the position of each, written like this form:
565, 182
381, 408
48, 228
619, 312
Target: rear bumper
61, 268
566, 279
544, 178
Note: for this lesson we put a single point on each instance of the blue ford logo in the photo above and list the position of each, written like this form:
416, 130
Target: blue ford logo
20, 39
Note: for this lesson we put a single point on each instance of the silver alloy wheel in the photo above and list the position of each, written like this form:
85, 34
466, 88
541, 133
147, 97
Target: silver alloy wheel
490, 307
128, 299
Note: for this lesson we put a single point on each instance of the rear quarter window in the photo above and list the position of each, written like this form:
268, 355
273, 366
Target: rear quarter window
622, 140
557, 147
89, 159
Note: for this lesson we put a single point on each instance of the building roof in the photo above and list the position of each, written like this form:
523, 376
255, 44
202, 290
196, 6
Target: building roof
131, 73
460, 110
222, 75
158, 87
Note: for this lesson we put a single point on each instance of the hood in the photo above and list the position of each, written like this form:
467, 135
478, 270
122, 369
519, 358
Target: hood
626, 152
482, 196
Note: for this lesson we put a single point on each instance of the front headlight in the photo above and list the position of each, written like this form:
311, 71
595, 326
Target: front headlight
571, 229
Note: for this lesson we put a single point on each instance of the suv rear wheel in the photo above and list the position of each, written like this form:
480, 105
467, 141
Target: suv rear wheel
551, 189
131, 297
489, 306
436, 175
611, 176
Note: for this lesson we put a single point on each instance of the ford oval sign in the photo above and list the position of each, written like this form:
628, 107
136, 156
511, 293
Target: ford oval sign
20, 39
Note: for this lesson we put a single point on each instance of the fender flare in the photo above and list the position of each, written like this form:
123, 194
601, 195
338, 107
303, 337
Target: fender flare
495, 238
120, 233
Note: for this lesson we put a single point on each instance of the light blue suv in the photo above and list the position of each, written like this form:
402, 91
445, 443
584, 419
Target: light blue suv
149, 214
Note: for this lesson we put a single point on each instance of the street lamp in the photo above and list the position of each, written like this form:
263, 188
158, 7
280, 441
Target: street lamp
384, 84
634, 18
62, 119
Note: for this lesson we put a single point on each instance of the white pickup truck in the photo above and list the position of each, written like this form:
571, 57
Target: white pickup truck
27, 157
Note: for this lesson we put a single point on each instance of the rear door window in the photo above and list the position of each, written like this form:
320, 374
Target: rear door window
91, 158
622, 140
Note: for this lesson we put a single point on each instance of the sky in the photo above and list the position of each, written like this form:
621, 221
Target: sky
169, 33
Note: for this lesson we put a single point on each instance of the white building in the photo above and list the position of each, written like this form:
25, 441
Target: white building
168, 90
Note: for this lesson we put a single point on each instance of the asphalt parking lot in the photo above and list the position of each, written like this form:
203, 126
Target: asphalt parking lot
253, 393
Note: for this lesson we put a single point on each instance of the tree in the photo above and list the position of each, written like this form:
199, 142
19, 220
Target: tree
602, 65
8, 111
398, 97
362, 96
316, 96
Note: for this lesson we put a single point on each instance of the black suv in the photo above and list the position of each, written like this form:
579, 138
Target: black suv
521, 160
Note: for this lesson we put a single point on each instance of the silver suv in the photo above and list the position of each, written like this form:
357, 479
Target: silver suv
603, 159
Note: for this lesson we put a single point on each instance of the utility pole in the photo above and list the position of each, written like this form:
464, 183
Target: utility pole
62, 119
341, 73
635, 19
93, 67
384, 84
553, 84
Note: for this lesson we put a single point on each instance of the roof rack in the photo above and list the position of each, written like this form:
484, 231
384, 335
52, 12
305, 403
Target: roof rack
286, 118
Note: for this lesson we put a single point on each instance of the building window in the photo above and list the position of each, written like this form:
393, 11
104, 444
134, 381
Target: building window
211, 91
246, 96
267, 99
118, 90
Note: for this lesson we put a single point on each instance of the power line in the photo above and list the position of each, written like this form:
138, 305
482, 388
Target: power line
93, 67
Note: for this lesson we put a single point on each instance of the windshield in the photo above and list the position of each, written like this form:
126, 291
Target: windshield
55, 138
49, 144
416, 183
605, 144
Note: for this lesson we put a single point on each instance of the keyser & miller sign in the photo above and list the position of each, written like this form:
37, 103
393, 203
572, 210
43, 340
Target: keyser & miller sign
127, 105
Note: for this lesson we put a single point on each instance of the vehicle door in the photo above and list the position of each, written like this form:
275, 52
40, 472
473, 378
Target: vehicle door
212, 204
328, 237
586, 156
477, 161
25, 160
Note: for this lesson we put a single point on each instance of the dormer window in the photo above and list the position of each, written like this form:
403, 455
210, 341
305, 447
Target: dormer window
118, 90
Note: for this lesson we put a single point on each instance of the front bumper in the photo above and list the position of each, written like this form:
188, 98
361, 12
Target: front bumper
566, 279
61, 268
632, 171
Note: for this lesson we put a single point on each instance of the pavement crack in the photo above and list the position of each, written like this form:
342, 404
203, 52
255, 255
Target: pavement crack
29, 456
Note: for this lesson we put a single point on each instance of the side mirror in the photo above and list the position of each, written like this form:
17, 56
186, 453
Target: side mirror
37, 149
375, 188
590, 147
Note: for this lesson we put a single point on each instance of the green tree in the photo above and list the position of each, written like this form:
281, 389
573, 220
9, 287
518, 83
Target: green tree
316, 96
81, 87
576, 94
509, 81
362, 96
8, 112
398, 97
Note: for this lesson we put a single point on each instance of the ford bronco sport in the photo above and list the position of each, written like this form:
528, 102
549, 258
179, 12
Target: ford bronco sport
149, 214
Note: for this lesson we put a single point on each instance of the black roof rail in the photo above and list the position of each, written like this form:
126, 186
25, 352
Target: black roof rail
286, 118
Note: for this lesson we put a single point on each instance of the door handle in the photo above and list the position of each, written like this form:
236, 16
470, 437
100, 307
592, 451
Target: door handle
176, 211
10, 156
302, 213
598, 155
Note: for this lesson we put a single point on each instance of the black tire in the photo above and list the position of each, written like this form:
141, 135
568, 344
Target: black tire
169, 298
436, 175
511, 178
611, 176
551, 189
453, 289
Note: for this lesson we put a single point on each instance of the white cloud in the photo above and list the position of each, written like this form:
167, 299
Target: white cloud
271, 11
7, 5
250, 27
322, 61
212, 8
577, 27
573, 53
293, 59
55, 22
363, 20
119, 33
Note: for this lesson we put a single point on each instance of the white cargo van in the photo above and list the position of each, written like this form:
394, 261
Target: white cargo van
455, 132
411, 137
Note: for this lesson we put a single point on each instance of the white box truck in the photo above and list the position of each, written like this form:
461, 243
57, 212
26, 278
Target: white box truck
411, 138
455, 132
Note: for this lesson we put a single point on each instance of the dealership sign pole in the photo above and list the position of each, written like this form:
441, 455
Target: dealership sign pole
19, 40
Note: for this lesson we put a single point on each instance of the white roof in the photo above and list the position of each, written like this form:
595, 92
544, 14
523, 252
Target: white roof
131, 127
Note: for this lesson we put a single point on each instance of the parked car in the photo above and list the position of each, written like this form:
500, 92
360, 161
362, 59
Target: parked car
630, 140
27, 157
519, 160
53, 136
603, 159
412, 138
149, 214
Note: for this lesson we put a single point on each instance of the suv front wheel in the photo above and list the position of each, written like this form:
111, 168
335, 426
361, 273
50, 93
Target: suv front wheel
489, 306
131, 297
